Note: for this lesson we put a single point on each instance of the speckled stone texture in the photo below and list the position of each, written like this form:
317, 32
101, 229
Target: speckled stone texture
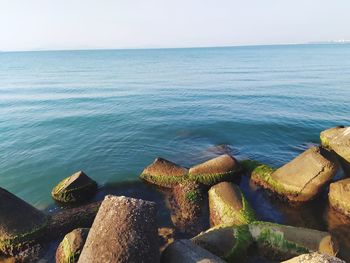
124, 230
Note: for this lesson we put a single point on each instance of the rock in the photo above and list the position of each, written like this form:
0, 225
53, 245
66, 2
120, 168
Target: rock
339, 196
338, 140
228, 205
221, 168
124, 230
184, 251
20, 224
166, 237
229, 243
302, 178
71, 246
75, 188
280, 242
186, 207
314, 258
164, 173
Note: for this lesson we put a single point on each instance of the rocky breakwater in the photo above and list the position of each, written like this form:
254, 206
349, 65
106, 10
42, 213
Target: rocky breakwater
338, 140
124, 230
301, 179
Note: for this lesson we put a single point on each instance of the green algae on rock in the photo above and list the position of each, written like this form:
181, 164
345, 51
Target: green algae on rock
302, 178
228, 242
338, 140
20, 223
71, 246
221, 168
75, 188
228, 205
164, 173
339, 196
280, 242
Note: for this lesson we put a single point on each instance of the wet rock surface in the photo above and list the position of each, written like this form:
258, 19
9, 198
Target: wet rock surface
228, 205
184, 251
221, 168
338, 140
20, 224
124, 230
71, 246
339, 196
164, 173
302, 178
75, 188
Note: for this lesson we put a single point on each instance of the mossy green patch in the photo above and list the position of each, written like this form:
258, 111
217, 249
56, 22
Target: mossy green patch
324, 141
192, 196
163, 181
211, 179
249, 166
263, 174
243, 240
73, 195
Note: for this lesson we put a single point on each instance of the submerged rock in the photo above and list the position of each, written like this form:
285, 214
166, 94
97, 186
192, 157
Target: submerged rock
184, 251
221, 168
280, 242
71, 246
186, 207
229, 243
75, 188
302, 178
314, 258
164, 173
339, 196
228, 205
338, 139
124, 230
20, 223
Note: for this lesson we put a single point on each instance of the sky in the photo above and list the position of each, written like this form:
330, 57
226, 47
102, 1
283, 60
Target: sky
99, 24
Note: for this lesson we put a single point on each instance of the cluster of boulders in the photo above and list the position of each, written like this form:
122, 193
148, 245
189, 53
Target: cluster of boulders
123, 229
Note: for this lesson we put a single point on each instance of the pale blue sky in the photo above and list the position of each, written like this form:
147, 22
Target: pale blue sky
85, 24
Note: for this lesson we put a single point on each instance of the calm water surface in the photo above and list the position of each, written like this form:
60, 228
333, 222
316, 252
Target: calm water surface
110, 113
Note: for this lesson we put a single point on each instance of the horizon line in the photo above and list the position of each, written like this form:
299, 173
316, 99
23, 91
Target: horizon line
180, 47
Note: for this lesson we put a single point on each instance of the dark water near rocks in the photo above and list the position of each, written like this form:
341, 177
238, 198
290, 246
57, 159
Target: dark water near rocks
110, 113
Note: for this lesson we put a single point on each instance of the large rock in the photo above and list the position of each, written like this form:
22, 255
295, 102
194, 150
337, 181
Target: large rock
314, 258
228, 205
20, 223
339, 196
71, 246
184, 251
338, 139
186, 203
280, 242
221, 168
302, 178
124, 230
229, 243
75, 188
164, 173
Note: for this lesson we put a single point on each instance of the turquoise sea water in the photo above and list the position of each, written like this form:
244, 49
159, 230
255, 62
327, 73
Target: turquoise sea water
110, 113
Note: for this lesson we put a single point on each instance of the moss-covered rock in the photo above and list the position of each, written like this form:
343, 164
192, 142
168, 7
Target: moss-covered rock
227, 242
20, 223
186, 207
228, 205
314, 258
339, 196
71, 246
338, 140
75, 188
164, 173
302, 178
280, 242
221, 168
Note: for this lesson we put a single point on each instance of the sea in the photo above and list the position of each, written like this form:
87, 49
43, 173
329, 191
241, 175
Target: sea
110, 113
